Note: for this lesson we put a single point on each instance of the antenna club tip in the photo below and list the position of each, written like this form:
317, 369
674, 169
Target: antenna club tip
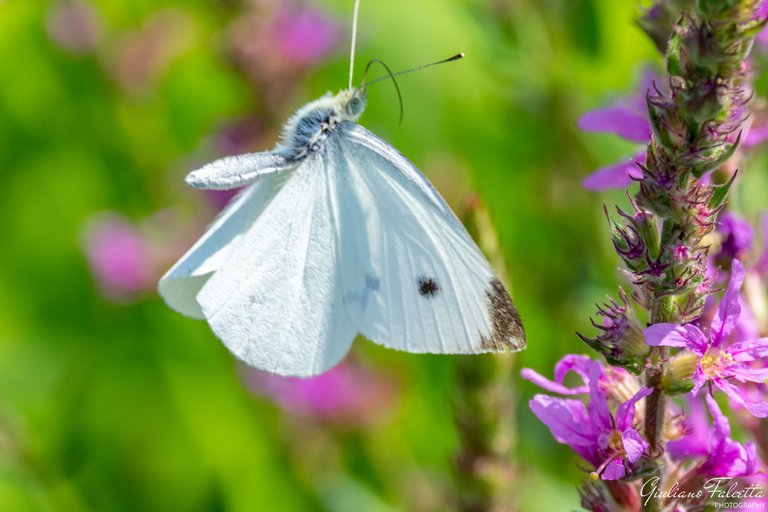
458, 56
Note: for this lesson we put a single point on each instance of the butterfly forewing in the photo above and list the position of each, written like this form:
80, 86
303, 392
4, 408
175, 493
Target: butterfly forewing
277, 301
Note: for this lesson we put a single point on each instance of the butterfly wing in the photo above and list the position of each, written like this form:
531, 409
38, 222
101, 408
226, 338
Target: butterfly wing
276, 299
413, 277
181, 284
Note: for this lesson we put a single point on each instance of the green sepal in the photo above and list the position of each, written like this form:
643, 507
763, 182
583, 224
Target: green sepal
720, 192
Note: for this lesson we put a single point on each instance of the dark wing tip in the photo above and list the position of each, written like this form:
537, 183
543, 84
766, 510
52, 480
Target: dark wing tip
507, 332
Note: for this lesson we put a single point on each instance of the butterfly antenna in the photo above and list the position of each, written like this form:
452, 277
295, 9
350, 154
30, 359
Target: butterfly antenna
390, 75
418, 68
354, 42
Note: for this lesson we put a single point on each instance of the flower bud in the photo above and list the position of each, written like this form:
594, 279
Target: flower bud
679, 375
621, 341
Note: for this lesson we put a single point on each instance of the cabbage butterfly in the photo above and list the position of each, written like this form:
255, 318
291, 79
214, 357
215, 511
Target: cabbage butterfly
336, 234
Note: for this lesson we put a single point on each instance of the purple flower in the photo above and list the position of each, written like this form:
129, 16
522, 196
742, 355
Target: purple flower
719, 362
726, 456
608, 441
627, 118
722, 456
695, 440
619, 175
346, 394
761, 266
761, 12
119, 257
275, 48
617, 383
304, 35
74, 25
737, 235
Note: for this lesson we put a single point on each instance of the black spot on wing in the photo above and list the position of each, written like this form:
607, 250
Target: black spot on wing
506, 328
428, 287
372, 283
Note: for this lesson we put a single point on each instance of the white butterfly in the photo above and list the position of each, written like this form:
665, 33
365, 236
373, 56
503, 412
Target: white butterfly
336, 234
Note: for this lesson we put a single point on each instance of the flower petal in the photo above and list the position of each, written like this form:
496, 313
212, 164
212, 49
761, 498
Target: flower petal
625, 413
749, 350
634, 444
619, 120
745, 373
567, 419
572, 362
758, 409
673, 335
698, 441
619, 175
730, 309
699, 379
614, 470
727, 457
598, 409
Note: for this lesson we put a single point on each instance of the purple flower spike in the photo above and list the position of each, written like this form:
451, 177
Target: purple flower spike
719, 363
608, 441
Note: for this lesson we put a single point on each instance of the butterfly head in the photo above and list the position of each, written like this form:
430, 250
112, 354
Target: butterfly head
352, 103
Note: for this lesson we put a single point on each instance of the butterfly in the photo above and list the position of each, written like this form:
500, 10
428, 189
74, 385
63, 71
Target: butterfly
336, 234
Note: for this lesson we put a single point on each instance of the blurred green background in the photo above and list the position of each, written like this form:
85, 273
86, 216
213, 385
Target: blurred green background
111, 401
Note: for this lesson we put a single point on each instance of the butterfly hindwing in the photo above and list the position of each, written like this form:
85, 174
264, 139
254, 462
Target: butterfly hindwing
413, 278
181, 284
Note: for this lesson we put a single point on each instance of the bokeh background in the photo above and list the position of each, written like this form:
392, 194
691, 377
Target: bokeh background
111, 401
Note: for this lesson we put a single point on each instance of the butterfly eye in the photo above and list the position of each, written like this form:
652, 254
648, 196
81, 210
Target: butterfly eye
354, 106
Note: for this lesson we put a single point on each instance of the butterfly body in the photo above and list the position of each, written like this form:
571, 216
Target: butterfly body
336, 234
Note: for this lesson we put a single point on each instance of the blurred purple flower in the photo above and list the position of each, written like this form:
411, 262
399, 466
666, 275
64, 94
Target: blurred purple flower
761, 266
304, 35
722, 456
608, 441
761, 12
737, 235
347, 394
717, 363
119, 257
74, 25
142, 55
627, 118
618, 175
275, 47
